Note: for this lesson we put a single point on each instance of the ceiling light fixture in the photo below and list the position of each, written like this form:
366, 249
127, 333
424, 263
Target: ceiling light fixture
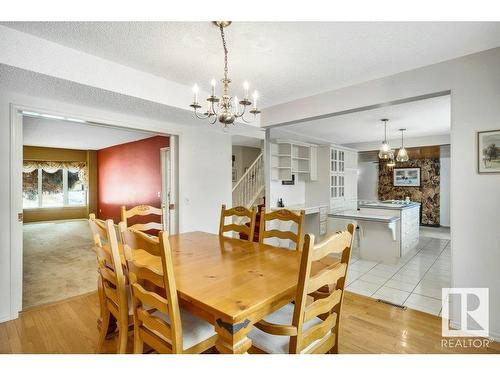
54, 117
75, 120
29, 113
402, 153
226, 109
385, 151
391, 162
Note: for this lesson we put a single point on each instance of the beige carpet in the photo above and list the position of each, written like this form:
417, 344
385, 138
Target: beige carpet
58, 261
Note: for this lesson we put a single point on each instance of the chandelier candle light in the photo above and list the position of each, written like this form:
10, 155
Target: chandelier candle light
402, 153
226, 109
385, 151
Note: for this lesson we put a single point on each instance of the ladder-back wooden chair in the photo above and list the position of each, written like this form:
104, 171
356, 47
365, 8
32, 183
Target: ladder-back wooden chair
142, 210
283, 215
246, 228
113, 295
158, 320
306, 327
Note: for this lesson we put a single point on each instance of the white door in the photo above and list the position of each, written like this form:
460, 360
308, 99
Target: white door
166, 176
16, 259
169, 187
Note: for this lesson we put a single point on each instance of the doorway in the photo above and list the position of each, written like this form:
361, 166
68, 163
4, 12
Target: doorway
349, 176
58, 188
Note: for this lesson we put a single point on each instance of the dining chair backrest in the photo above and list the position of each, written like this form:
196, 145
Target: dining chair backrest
155, 304
142, 210
98, 229
240, 227
282, 215
327, 301
109, 267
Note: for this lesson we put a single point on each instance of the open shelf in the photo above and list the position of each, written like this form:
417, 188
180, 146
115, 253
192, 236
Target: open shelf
290, 157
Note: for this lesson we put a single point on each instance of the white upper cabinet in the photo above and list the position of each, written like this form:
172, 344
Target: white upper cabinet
343, 179
313, 163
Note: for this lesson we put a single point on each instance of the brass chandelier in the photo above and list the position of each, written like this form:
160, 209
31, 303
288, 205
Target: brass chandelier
226, 109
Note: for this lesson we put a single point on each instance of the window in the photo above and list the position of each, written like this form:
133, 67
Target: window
30, 189
53, 187
77, 195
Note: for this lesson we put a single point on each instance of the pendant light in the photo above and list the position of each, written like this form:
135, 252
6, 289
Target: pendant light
402, 153
391, 162
385, 151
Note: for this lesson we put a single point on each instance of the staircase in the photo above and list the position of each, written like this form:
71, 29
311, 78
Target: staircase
256, 232
249, 190
251, 185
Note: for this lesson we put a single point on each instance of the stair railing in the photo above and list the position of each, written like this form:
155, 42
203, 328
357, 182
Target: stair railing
250, 185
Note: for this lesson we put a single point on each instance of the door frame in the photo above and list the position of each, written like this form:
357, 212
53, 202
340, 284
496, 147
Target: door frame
15, 195
169, 190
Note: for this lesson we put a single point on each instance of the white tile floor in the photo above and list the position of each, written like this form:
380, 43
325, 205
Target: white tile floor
415, 282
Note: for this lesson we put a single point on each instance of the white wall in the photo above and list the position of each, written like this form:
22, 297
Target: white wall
291, 194
367, 181
205, 171
444, 186
318, 192
474, 82
205, 179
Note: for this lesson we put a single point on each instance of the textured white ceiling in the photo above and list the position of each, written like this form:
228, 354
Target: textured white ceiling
61, 134
423, 118
284, 60
40, 85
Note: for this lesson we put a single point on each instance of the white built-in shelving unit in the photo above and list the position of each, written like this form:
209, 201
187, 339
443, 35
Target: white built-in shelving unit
293, 158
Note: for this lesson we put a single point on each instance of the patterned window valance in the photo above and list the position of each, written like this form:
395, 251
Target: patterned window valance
79, 167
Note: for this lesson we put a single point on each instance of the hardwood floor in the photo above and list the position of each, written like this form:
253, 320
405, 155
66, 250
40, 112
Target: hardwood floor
366, 326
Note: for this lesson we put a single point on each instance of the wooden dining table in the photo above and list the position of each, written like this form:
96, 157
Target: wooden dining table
229, 282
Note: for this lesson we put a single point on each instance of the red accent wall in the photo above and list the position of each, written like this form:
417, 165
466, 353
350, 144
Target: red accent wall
129, 174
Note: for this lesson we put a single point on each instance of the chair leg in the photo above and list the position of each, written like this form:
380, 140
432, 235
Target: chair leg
122, 336
334, 349
104, 330
138, 343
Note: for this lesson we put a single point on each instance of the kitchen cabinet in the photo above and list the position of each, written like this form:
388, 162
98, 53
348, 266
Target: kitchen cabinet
343, 179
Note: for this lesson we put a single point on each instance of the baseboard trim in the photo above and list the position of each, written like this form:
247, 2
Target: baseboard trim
6, 318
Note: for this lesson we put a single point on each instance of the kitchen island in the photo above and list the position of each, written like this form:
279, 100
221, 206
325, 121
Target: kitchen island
388, 230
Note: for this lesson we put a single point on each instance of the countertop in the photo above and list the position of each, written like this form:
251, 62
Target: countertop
297, 207
356, 215
389, 205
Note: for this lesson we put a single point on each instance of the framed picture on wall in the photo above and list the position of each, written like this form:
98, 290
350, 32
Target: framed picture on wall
406, 177
488, 156
235, 175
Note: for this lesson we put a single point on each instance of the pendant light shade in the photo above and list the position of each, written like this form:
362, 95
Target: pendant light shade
402, 153
385, 151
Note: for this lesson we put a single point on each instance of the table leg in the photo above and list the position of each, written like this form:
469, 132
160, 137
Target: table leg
232, 337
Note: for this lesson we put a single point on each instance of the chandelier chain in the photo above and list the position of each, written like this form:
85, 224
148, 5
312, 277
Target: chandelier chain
225, 57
